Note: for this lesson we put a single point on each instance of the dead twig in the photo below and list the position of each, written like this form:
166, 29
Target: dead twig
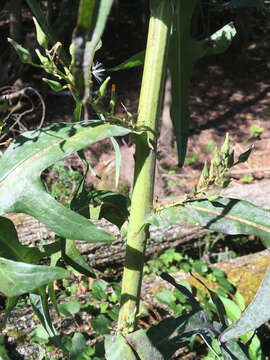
22, 96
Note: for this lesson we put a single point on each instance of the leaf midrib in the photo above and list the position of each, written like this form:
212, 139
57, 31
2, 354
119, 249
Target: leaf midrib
231, 217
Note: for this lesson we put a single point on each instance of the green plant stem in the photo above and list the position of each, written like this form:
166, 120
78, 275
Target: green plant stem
145, 159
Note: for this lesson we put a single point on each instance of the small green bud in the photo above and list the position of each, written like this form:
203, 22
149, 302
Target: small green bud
217, 159
41, 36
201, 182
211, 170
225, 149
54, 85
43, 59
103, 88
23, 53
205, 171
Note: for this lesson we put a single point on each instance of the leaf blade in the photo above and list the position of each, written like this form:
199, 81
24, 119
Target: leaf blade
31, 153
17, 278
230, 216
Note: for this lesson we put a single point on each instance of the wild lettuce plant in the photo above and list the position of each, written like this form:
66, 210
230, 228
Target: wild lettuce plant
21, 190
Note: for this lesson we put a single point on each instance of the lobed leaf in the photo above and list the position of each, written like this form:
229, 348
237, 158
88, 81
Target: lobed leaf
34, 151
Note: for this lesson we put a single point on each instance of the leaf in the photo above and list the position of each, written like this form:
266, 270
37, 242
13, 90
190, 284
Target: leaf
187, 294
69, 308
117, 348
184, 52
99, 290
112, 206
12, 249
101, 324
220, 41
51, 290
244, 157
230, 216
73, 257
32, 152
9, 306
256, 314
78, 346
140, 342
39, 304
234, 350
165, 297
17, 278
218, 303
133, 61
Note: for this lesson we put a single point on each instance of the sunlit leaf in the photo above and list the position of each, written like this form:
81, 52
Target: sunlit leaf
34, 151
17, 278
69, 308
143, 346
117, 348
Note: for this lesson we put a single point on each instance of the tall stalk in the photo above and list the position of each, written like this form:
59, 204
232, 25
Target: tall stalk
145, 160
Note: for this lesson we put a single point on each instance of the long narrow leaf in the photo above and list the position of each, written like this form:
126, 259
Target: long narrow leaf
230, 216
184, 52
34, 151
40, 306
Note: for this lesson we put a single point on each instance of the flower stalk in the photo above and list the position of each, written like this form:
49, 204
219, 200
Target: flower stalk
145, 160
